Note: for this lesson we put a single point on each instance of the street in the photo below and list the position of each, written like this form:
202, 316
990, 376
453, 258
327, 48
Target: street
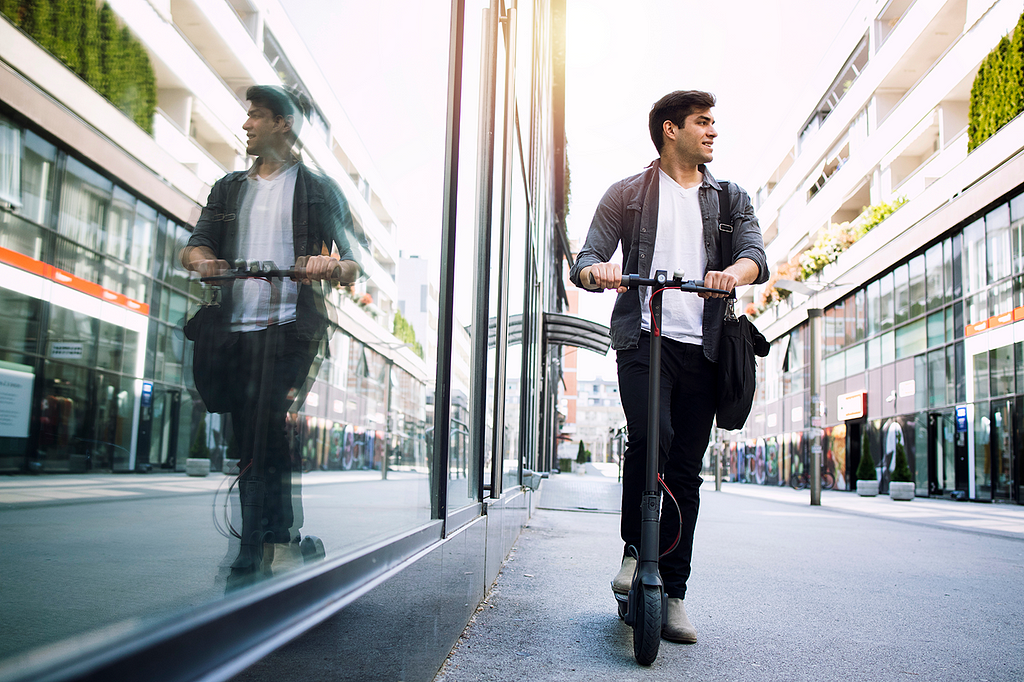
857, 589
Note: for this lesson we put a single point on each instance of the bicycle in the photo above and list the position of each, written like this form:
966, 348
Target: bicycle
802, 480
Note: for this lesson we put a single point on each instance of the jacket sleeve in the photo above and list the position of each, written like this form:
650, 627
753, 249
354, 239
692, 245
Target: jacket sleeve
208, 231
604, 235
747, 239
340, 229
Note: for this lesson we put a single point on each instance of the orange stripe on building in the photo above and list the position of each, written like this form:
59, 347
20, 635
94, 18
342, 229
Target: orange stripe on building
23, 262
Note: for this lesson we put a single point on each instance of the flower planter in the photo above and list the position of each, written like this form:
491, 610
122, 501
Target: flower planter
900, 490
867, 488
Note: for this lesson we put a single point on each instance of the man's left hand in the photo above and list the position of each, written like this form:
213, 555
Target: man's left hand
309, 268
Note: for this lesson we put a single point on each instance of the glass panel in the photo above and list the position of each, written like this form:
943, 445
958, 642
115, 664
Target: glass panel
951, 388
982, 452
18, 234
1002, 449
917, 285
886, 301
71, 336
84, 203
1000, 298
1017, 232
1000, 247
975, 266
981, 380
10, 163
936, 328
19, 325
901, 292
855, 359
855, 318
921, 384
911, 339
977, 308
937, 378
110, 346
951, 268
874, 352
119, 221
933, 276
65, 430
1001, 370
835, 368
37, 178
143, 234
888, 348
873, 314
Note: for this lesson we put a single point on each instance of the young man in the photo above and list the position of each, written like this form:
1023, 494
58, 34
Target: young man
279, 211
666, 218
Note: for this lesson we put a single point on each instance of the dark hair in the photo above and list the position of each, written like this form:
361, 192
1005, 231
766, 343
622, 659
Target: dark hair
675, 107
281, 101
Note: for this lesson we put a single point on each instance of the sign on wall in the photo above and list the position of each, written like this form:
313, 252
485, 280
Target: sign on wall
15, 402
852, 405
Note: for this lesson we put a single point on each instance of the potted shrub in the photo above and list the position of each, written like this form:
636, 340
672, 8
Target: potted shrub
902, 485
867, 477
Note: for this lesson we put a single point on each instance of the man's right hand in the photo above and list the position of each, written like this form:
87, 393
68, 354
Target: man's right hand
602, 276
210, 267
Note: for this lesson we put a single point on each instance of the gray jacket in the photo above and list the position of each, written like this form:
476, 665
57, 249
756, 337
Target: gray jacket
628, 213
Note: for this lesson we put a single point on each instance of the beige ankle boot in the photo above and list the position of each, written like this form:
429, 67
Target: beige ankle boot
678, 627
623, 580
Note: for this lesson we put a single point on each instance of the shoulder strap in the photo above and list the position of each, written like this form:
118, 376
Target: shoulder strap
725, 222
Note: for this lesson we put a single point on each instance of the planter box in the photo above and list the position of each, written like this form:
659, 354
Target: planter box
867, 488
900, 490
197, 466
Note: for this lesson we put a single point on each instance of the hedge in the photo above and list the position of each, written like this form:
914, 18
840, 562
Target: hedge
88, 39
997, 95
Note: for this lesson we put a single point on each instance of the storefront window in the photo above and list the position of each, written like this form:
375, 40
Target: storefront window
982, 452
19, 326
980, 377
937, 378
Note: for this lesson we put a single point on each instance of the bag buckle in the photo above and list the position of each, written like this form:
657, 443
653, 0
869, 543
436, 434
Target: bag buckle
730, 310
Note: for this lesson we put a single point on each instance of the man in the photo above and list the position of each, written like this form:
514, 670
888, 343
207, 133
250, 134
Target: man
279, 211
666, 218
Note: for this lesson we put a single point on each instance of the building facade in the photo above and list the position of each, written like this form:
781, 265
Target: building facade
920, 343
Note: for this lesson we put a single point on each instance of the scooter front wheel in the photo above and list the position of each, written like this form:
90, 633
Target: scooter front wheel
647, 626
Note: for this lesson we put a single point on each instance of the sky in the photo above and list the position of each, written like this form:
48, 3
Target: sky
387, 63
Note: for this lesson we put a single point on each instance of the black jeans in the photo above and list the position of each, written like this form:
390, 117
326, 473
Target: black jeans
689, 394
289, 362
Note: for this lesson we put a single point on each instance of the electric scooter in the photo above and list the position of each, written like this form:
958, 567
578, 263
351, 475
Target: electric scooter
249, 563
645, 608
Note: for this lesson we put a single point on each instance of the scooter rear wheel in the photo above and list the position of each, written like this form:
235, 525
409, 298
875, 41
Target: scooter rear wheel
647, 626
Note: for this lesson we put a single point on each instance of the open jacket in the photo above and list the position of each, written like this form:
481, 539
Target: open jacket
628, 214
320, 220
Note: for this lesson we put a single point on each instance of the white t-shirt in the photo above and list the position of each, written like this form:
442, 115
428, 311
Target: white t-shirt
679, 245
265, 233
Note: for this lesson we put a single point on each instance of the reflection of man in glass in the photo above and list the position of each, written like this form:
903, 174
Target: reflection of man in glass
279, 211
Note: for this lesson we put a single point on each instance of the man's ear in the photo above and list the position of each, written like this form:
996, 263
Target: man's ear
286, 123
667, 128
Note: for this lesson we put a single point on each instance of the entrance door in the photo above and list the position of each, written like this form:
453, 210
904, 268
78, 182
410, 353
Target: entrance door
941, 453
1002, 449
163, 445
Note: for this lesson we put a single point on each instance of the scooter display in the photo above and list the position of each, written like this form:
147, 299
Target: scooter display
645, 607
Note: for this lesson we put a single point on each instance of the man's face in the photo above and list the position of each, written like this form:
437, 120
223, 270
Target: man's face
262, 130
694, 140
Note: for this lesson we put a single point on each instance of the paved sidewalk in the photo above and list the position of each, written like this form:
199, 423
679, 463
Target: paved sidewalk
857, 589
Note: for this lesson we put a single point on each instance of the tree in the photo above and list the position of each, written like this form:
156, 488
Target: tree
582, 455
90, 50
200, 448
901, 471
866, 469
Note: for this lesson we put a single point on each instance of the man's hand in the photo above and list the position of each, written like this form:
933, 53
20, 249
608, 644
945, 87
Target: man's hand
204, 261
309, 268
602, 276
743, 271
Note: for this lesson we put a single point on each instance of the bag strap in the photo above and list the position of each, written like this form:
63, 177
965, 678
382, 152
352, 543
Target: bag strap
725, 238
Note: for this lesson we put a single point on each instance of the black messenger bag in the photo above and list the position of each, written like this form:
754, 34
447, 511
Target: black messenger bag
741, 341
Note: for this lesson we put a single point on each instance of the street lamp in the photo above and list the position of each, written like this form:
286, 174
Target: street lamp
813, 421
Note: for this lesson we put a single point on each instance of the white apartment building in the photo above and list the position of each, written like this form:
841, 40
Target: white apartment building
920, 333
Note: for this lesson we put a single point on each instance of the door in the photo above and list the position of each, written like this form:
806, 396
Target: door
1002, 449
163, 445
941, 453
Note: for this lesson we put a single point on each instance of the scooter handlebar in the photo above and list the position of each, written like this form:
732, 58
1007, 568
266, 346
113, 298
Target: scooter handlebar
251, 270
664, 282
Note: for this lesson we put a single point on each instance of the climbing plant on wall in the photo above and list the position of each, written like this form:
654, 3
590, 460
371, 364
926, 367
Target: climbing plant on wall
89, 40
997, 95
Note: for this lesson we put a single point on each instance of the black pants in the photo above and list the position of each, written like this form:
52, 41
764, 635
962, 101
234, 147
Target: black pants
689, 393
289, 363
